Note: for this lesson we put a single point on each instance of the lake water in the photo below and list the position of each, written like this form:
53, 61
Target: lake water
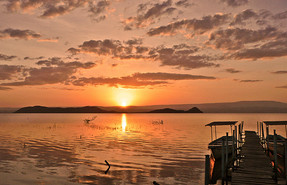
61, 149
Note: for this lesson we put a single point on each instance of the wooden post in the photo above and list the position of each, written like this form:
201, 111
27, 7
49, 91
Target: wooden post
267, 137
226, 165
239, 134
233, 147
211, 133
226, 160
260, 130
236, 145
207, 169
285, 146
222, 162
275, 155
257, 129
215, 132
263, 139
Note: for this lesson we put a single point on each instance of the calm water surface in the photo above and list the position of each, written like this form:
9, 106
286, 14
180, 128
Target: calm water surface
62, 149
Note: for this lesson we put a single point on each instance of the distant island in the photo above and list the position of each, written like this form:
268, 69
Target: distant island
94, 109
41, 109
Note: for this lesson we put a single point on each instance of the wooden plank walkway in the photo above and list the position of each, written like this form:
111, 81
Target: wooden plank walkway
255, 167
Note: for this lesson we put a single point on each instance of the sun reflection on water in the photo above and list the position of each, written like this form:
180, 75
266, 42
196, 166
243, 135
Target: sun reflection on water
124, 122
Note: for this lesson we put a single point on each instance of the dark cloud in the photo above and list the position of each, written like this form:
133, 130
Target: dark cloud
282, 15
232, 70
237, 38
99, 9
61, 8
7, 57
195, 26
235, 3
139, 80
180, 56
251, 81
127, 82
9, 71
105, 47
245, 15
148, 17
18, 34
261, 17
44, 75
54, 71
282, 87
55, 61
114, 49
184, 3
134, 42
272, 49
186, 60
33, 58
54, 8
170, 76
279, 72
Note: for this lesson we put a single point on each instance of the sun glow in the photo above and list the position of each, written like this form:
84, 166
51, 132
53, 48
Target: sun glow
124, 97
124, 104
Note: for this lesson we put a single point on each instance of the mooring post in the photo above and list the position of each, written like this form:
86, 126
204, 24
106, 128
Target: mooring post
239, 134
257, 129
226, 159
233, 147
215, 132
226, 147
236, 145
207, 169
275, 155
267, 138
222, 162
211, 133
260, 130
285, 169
263, 139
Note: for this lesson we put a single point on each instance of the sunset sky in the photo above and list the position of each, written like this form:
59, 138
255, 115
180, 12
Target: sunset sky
111, 52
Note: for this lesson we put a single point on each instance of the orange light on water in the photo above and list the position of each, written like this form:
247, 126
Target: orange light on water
124, 122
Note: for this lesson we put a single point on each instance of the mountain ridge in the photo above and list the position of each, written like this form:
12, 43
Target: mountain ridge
225, 107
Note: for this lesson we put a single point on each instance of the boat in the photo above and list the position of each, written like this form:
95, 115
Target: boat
216, 145
270, 138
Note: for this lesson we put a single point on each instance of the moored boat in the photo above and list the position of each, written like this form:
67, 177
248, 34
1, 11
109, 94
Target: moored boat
270, 138
216, 145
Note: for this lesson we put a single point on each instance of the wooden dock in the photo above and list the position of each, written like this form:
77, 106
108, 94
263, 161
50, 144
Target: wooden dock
255, 167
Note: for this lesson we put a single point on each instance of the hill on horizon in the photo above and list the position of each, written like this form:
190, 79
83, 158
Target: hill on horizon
42, 109
226, 107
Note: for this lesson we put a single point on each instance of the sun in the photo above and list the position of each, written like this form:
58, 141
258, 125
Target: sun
123, 97
124, 104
